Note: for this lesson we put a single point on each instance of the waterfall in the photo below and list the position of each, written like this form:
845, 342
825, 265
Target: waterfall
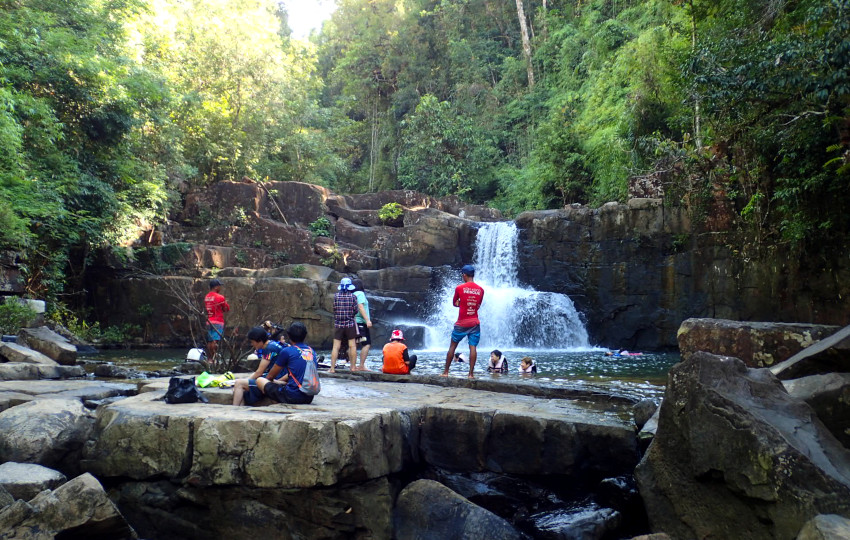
513, 316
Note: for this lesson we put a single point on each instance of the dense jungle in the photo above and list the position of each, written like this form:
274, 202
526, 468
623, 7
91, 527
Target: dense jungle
112, 110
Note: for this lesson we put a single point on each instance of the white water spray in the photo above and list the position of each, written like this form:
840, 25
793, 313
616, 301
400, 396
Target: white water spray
512, 316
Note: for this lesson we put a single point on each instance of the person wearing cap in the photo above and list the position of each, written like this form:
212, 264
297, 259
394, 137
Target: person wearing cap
364, 322
246, 391
216, 307
345, 328
468, 296
397, 360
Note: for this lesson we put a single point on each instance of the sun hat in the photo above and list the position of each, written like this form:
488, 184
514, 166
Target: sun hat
345, 284
468, 270
397, 334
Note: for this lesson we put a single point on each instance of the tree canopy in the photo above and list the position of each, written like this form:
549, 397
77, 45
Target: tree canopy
110, 109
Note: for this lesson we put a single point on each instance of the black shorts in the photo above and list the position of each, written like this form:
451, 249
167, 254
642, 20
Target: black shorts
277, 392
345, 334
365, 335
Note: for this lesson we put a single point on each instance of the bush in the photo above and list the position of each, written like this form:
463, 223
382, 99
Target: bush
321, 227
15, 315
390, 212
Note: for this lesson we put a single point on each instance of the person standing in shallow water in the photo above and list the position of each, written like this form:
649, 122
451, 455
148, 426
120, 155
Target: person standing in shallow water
468, 297
345, 328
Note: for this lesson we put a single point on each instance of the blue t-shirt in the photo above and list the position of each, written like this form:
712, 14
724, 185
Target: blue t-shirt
294, 358
272, 352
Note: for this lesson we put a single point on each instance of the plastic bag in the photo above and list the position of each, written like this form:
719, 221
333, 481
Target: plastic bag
310, 384
183, 391
206, 380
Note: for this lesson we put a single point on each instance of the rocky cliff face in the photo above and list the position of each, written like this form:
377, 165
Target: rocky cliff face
635, 271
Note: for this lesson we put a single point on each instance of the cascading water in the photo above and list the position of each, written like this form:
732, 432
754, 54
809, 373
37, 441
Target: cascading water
512, 316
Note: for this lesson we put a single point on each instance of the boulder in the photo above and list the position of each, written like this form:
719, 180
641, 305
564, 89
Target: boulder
587, 522
643, 411
6, 499
829, 396
825, 527
45, 340
11, 399
12, 352
758, 344
736, 456
46, 431
26, 480
60, 372
428, 510
79, 509
13, 371
164, 509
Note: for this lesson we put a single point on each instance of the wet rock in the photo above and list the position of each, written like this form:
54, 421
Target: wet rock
163, 509
191, 368
428, 510
736, 456
757, 344
648, 431
26, 480
46, 431
78, 508
589, 522
45, 340
826, 527
643, 411
112, 371
829, 396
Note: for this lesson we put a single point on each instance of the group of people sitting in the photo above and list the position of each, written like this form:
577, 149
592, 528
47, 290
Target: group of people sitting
280, 372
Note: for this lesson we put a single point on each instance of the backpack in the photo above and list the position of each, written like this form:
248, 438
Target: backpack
309, 384
183, 391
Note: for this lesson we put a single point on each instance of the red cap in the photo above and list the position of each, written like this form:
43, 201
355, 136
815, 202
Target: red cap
397, 335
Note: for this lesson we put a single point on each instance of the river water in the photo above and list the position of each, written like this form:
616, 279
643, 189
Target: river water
643, 375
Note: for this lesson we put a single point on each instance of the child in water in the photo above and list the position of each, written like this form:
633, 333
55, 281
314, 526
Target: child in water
527, 365
498, 362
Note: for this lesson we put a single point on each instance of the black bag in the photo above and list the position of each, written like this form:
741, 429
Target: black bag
184, 391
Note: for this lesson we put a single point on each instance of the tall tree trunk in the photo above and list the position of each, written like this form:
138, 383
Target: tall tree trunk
697, 119
526, 42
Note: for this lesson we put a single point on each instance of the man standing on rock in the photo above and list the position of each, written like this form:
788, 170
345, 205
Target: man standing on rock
468, 297
216, 307
345, 328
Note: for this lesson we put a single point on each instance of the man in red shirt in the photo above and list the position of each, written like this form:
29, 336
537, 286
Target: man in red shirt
216, 307
468, 297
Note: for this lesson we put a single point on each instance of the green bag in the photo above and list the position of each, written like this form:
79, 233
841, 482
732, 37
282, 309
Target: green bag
205, 379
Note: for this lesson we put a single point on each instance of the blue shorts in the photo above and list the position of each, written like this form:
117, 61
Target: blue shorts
472, 333
254, 394
214, 331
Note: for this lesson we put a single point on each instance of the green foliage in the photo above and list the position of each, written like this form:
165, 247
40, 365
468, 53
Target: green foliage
321, 227
390, 212
15, 315
298, 270
333, 257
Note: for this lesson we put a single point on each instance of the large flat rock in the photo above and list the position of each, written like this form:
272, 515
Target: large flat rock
356, 431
